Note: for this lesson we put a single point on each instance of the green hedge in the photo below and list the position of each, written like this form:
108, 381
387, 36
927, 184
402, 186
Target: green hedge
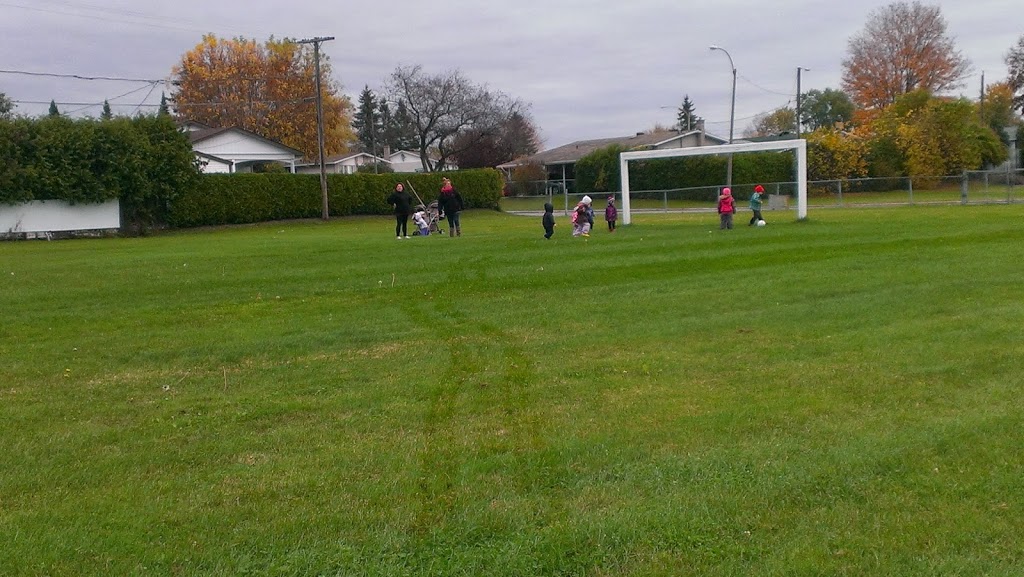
249, 198
146, 162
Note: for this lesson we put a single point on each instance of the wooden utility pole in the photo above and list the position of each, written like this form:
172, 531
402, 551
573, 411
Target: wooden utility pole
320, 118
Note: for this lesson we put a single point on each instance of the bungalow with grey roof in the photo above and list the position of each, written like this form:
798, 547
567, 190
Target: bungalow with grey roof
560, 162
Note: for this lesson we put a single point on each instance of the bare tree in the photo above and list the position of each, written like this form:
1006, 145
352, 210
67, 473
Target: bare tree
448, 105
1015, 67
903, 47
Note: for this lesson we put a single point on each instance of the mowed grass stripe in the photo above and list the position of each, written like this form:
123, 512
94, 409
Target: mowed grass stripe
838, 396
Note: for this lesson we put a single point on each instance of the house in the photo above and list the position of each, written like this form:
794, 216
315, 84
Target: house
231, 150
560, 162
347, 163
404, 161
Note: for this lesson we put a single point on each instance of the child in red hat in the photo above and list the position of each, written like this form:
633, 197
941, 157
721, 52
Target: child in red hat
755, 204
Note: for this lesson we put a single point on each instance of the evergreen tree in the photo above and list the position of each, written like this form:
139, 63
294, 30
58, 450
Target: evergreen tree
366, 121
106, 114
403, 128
387, 135
164, 109
53, 109
6, 106
687, 118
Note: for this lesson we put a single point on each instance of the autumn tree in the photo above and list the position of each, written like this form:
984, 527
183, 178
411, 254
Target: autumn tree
836, 155
686, 117
444, 106
903, 47
825, 109
774, 123
937, 136
997, 109
515, 138
1015, 78
268, 89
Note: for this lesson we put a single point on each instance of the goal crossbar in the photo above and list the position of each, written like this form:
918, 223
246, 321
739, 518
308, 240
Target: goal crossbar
800, 146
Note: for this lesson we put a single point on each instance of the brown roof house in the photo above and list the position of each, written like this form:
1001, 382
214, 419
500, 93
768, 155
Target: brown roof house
560, 163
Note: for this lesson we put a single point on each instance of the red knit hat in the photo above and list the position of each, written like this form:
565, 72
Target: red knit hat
759, 188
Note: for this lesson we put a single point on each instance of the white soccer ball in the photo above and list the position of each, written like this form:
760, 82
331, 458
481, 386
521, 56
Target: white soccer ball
761, 223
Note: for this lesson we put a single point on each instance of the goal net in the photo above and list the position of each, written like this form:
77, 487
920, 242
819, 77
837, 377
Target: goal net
800, 146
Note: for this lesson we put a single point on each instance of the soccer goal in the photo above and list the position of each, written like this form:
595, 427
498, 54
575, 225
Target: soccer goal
800, 146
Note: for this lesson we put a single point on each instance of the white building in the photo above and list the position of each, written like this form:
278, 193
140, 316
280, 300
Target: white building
231, 150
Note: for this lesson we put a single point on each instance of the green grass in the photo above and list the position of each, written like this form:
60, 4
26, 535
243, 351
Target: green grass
840, 396
977, 193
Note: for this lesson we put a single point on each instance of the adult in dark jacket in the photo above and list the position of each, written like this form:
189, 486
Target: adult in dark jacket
402, 202
449, 203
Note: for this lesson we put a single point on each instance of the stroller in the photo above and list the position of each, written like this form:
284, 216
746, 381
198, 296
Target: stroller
428, 217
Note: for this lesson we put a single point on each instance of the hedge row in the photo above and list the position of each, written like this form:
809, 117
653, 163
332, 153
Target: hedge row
143, 161
248, 198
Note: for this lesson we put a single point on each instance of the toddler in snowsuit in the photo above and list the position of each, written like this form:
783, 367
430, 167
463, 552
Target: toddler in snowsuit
726, 208
611, 214
549, 220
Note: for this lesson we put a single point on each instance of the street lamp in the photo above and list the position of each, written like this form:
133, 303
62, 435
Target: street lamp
732, 111
798, 69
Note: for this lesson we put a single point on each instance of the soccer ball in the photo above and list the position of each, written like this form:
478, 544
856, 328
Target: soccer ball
761, 223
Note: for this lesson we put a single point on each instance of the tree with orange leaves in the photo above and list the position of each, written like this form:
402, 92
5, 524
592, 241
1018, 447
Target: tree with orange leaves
268, 89
903, 47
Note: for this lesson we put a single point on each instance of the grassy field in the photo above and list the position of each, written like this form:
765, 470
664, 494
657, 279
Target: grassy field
841, 396
671, 201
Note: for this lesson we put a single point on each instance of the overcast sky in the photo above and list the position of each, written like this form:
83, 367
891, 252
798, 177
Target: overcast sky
588, 68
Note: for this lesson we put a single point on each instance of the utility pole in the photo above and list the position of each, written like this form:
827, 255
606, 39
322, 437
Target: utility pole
320, 118
732, 113
373, 137
798, 69
981, 108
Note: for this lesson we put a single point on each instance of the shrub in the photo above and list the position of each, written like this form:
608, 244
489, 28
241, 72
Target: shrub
146, 162
248, 198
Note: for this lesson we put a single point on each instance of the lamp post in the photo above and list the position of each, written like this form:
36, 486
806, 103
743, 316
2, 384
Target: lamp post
732, 111
798, 69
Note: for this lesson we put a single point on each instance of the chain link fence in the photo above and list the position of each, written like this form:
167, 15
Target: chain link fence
971, 187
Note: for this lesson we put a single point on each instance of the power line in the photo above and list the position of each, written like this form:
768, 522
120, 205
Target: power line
129, 93
302, 100
79, 76
127, 17
762, 88
144, 98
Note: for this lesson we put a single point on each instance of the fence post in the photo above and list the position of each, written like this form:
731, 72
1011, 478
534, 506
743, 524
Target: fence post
963, 188
1009, 182
840, 201
910, 187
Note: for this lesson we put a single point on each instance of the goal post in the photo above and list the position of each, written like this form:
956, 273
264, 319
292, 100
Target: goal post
800, 146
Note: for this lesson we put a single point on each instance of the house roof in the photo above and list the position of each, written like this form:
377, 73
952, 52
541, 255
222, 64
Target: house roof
211, 157
196, 136
574, 151
339, 158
